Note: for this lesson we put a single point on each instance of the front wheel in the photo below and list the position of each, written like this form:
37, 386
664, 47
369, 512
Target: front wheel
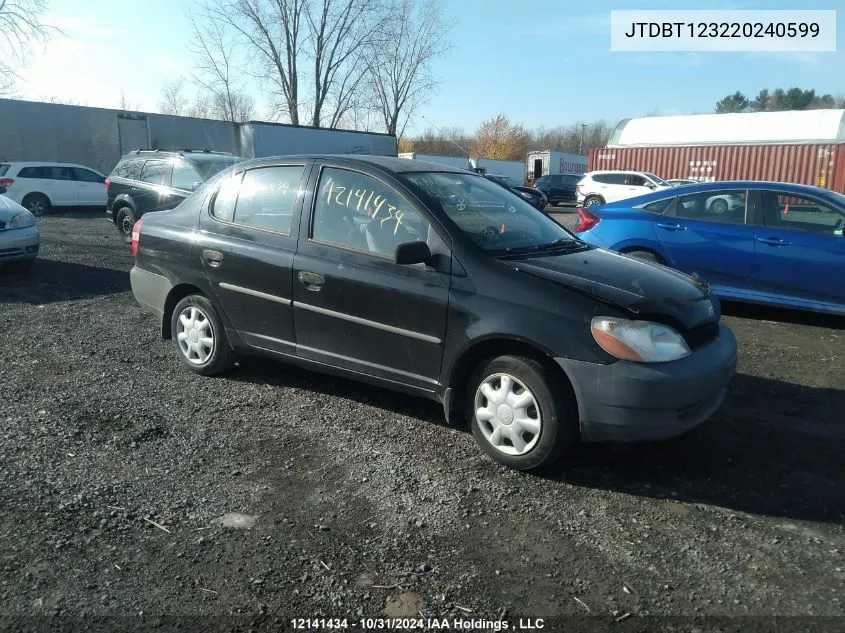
125, 221
199, 336
520, 414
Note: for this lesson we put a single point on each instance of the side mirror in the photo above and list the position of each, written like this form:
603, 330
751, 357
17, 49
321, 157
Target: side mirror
651, 185
410, 253
2, 190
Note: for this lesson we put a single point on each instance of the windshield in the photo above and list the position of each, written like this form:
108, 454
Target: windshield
207, 168
658, 180
495, 219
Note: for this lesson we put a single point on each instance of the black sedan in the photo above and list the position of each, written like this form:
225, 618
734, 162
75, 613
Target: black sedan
534, 197
436, 282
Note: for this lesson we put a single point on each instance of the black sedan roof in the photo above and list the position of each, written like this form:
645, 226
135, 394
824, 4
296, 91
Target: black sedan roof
386, 163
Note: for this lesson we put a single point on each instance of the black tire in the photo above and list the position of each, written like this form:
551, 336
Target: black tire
21, 265
646, 255
125, 220
555, 406
222, 357
37, 204
592, 201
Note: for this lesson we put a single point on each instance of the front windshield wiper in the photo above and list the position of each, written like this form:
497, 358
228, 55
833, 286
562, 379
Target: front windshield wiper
564, 243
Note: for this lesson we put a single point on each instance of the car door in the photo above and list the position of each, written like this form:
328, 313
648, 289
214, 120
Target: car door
699, 237
61, 187
611, 187
354, 307
636, 185
800, 247
90, 187
246, 241
154, 191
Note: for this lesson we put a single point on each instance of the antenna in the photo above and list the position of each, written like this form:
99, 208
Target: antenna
448, 139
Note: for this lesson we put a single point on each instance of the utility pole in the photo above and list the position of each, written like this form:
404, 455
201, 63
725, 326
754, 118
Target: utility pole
581, 144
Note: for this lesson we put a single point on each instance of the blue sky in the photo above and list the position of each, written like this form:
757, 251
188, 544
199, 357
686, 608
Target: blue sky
543, 63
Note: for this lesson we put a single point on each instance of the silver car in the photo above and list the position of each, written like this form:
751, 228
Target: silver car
19, 236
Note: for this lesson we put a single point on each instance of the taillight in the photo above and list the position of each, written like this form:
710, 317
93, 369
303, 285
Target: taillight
586, 221
136, 237
6, 182
108, 182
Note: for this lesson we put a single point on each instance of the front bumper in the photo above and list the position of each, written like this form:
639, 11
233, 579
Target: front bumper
636, 402
18, 244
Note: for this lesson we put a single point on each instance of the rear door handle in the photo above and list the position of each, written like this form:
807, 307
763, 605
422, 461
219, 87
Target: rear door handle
312, 281
213, 258
773, 241
671, 227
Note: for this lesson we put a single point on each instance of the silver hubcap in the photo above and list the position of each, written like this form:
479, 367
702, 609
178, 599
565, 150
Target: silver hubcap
591, 202
36, 207
195, 335
507, 414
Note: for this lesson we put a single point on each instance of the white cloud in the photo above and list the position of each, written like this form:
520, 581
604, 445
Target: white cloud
76, 27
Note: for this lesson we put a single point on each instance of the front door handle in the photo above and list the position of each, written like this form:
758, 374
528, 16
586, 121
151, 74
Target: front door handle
772, 241
671, 227
213, 258
312, 281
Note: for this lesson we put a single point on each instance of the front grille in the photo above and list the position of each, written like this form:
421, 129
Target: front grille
701, 335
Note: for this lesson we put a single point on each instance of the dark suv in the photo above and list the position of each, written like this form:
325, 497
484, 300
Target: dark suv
156, 180
559, 188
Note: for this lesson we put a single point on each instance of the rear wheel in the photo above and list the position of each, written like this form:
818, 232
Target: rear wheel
125, 220
520, 415
37, 204
592, 201
199, 336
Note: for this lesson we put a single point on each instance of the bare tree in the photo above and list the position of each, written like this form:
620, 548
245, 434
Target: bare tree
312, 53
173, 99
217, 70
400, 67
125, 103
20, 28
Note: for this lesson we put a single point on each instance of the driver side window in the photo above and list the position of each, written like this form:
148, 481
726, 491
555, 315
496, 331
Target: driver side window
359, 212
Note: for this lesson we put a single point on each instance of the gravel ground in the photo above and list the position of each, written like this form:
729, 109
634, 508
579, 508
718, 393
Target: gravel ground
132, 490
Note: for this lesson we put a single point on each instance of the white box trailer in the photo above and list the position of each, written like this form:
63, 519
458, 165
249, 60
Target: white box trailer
259, 139
549, 162
461, 162
510, 168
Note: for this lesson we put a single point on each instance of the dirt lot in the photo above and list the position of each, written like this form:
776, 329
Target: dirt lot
118, 471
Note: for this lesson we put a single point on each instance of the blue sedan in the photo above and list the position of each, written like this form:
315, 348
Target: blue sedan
759, 242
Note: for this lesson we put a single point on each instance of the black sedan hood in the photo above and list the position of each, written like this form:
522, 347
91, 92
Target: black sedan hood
649, 291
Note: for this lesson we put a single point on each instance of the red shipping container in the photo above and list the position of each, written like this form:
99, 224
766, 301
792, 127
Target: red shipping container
821, 165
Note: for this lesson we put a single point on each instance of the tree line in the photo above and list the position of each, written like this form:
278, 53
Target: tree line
499, 138
778, 100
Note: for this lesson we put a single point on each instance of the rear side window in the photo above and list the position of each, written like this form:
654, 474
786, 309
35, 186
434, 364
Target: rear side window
156, 172
267, 197
726, 206
129, 169
33, 172
658, 207
59, 173
610, 179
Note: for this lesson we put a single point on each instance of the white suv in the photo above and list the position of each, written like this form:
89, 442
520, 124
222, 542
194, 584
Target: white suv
598, 187
41, 186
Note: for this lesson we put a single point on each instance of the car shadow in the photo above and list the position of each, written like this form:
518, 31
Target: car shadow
775, 449
52, 281
785, 315
267, 371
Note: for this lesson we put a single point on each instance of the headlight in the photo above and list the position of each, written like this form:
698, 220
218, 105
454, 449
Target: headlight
639, 341
22, 220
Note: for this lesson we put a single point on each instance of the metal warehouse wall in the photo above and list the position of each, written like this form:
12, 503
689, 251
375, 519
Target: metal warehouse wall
58, 133
821, 165
274, 139
171, 132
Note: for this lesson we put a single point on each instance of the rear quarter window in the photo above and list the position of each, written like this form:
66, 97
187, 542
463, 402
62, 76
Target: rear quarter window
129, 169
4, 169
658, 206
